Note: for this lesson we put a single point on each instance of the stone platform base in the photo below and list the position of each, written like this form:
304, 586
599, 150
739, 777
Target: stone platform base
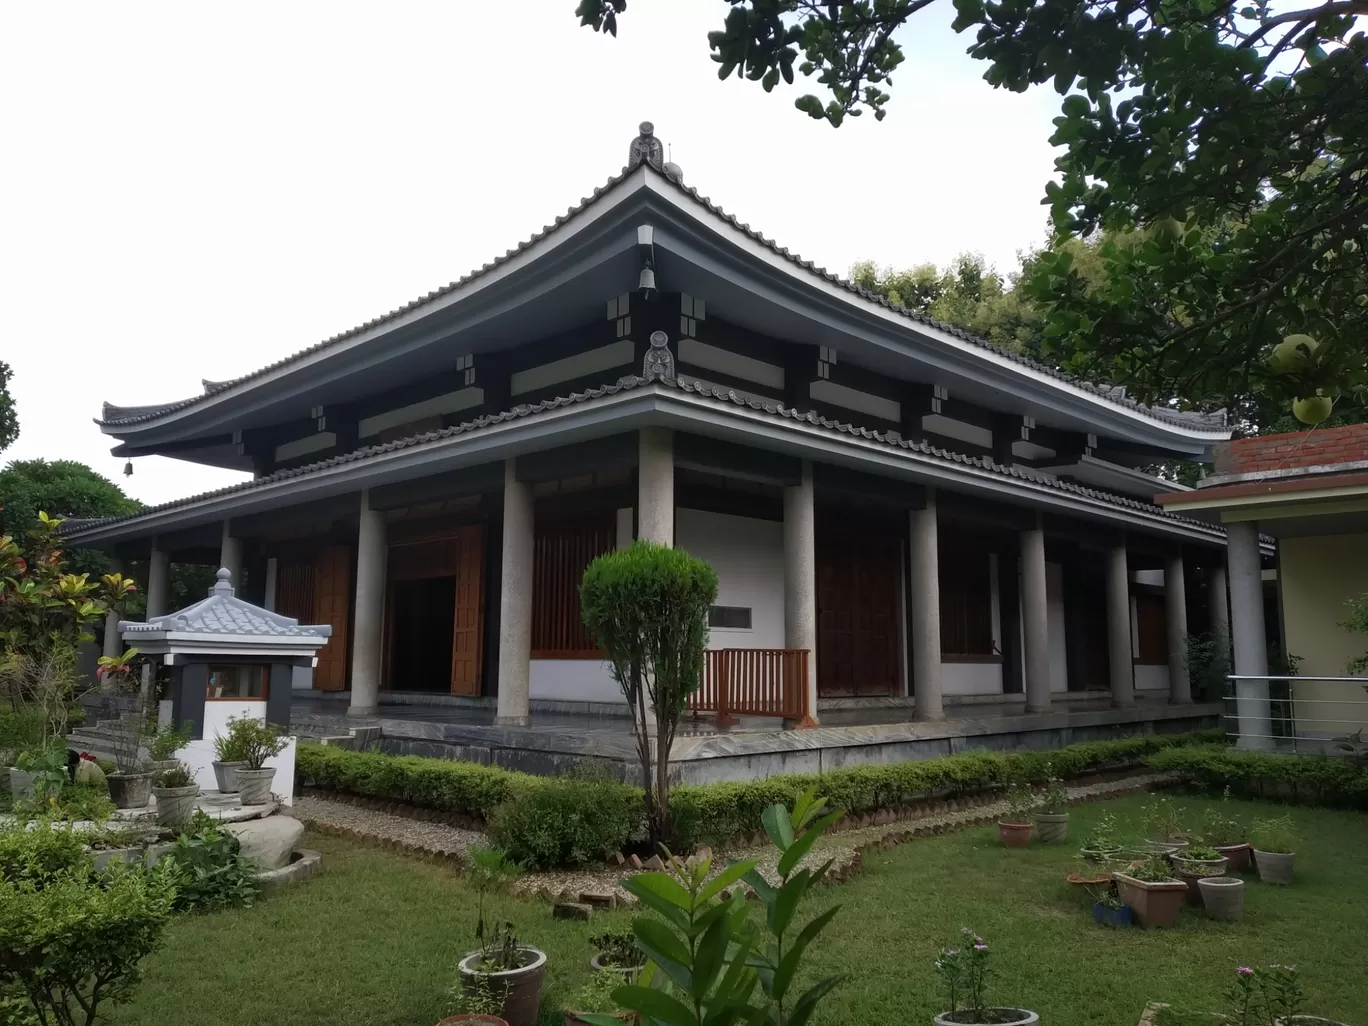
557, 744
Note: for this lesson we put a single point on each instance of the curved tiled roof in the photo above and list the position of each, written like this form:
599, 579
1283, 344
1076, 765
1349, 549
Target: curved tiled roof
121, 415
693, 387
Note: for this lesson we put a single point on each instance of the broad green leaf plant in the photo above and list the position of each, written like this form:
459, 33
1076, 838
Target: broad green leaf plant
710, 963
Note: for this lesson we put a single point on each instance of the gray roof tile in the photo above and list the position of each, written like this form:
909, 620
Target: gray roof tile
223, 614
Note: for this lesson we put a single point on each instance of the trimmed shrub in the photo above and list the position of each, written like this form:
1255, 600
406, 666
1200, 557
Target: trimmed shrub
557, 822
1305, 779
543, 821
38, 854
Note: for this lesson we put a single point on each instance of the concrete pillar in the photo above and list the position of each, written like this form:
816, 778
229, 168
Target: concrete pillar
1119, 628
515, 601
230, 556
1035, 615
1219, 601
800, 581
1248, 636
924, 571
369, 618
655, 485
112, 645
1175, 605
268, 596
158, 567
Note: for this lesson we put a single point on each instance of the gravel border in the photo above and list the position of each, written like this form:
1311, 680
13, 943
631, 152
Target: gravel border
845, 848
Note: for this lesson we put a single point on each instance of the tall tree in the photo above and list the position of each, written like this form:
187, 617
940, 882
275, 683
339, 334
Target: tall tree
9, 419
1237, 133
61, 488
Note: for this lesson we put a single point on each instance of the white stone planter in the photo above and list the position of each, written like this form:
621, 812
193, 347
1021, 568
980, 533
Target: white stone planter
21, 784
254, 785
225, 774
1052, 827
1223, 897
1274, 867
1023, 1017
175, 805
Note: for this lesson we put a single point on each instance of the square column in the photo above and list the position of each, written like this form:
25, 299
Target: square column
800, 581
1035, 615
1175, 606
1248, 635
515, 601
158, 567
112, 645
1119, 654
924, 571
1218, 600
230, 554
655, 485
367, 651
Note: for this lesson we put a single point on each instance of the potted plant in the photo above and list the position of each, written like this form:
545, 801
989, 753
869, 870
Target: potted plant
227, 761
1052, 813
513, 972
1015, 830
595, 998
1195, 862
1225, 833
255, 741
1275, 845
130, 786
1110, 910
164, 742
964, 974
1223, 897
1088, 876
1270, 995
475, 1004
616, 956
1101, 845
1153, 891
1164, 832
175, 790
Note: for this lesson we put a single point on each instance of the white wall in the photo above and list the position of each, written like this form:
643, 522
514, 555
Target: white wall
1151, 677
748, 556
971, 678
198, 756
1054, 602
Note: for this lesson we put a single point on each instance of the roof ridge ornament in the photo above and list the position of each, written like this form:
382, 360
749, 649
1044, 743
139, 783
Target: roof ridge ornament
646, 149
659, 363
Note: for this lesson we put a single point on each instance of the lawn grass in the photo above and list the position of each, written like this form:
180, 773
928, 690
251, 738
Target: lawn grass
374, 939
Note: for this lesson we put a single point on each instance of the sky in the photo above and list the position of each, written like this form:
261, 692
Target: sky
192, 191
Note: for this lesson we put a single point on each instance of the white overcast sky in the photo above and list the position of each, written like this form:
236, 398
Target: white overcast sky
192, 191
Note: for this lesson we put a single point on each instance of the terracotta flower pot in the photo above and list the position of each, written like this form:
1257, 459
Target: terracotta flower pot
1014, 835
1001, 1017
1274, 867
1239, 857
130, 790
1155, 904
1052, 828
1223, 897
521, 988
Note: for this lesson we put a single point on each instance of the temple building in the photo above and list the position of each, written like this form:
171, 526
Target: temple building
902, 516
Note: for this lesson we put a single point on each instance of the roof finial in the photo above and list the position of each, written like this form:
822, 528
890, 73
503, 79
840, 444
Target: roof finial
646, 149
223, 582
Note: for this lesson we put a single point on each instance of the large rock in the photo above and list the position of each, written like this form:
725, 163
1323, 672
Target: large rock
269, 841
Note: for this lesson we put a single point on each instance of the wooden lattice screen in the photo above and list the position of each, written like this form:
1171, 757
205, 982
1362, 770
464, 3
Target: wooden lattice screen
966, 600
563, 548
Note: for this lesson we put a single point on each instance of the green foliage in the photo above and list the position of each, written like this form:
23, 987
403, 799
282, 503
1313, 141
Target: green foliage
596, 995
20, 728
616, 950
1102, 837
74, 942
9, 419
647, 607
166, 740
1208, 660
566, 821
227, 748
493, 870
255, 740
475, 996
1220, 828
1309, 779
1022, 803
38, 854
1357, 622
1153, 870
1265, 997
1054, 796
209, 870
177, 775
964, 972
1161, 819
63, 488
1275, 835
700, 813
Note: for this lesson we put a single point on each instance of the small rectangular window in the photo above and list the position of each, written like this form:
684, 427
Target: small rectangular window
247, 681
736, 618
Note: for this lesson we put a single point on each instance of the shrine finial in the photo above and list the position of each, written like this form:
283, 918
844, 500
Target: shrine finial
646, 149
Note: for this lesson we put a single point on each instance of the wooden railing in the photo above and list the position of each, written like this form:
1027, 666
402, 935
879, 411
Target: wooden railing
754, 682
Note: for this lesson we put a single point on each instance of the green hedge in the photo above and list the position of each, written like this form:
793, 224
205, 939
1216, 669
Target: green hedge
714, 813
1308, 779
546, 821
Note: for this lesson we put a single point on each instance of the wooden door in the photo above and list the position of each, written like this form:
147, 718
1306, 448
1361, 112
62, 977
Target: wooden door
332, 605
858, 565
467, 633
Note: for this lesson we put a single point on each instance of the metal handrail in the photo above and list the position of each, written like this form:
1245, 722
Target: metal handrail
1280, 711
1298, 676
